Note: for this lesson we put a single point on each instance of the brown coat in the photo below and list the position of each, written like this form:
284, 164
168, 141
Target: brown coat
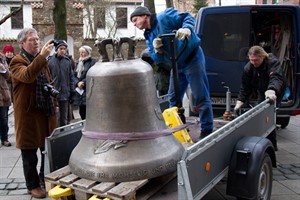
5, 99
31, 125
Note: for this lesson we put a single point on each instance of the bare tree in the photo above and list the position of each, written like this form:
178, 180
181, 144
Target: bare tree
169, 3
59, 18
13, 13
104, 15
89, 14
150, 5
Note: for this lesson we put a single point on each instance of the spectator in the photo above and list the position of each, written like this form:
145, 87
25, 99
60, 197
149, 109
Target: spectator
5, 101
262, 77
34, 107
9, 53
61, 68
84, 64
191, 64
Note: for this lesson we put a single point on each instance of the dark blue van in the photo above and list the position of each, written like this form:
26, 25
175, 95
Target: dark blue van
227, 32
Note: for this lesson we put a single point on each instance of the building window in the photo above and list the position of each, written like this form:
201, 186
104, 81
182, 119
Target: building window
100, 17
17, 20
121, 14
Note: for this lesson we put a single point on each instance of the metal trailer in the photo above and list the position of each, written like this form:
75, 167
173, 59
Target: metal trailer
238, 150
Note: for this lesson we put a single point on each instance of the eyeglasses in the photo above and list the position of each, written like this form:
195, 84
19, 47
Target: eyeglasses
33, 39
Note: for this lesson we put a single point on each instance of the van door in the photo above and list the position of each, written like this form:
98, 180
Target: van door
225, 38
227, 32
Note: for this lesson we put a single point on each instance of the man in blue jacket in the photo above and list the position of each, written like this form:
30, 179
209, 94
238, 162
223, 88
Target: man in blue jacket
191, 64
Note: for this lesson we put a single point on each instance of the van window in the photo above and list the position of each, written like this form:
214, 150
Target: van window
226, 36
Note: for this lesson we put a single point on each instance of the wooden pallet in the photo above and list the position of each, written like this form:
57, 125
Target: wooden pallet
85, 189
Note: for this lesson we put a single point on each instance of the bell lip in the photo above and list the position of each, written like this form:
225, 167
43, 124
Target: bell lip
115, 165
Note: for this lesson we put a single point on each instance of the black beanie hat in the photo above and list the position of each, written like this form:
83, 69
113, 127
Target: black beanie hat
60, 43
139, 11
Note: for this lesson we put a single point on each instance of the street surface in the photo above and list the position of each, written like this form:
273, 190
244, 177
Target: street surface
286, 177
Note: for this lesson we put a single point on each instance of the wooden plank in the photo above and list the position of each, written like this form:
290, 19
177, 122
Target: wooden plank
84, 183
103, 187
126, 190
49, 186
85, 188
69, 179
79, 195
58, 173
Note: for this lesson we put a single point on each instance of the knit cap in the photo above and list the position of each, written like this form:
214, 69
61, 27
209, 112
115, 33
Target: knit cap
140, 11
86, 48
8, 48
60, 43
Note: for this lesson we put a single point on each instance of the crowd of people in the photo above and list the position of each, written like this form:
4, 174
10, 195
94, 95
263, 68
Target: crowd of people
43, 87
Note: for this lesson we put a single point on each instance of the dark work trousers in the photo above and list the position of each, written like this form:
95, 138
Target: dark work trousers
30, 161
82, 111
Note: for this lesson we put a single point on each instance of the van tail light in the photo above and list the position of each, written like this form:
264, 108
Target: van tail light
295, 112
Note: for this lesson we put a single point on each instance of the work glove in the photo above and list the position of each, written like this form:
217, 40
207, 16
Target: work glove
270, 94
183, 33
238, 105
158, 44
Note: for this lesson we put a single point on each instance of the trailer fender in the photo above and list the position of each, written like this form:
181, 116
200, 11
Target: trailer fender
245, 165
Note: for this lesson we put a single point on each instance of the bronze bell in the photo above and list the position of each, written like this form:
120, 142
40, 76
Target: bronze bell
123, 139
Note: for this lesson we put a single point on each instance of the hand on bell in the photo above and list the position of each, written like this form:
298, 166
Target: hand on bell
183, 33
238, 105
270, 94
158, 44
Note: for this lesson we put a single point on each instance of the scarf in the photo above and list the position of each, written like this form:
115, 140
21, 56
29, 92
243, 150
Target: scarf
44, 102
43, 98
80, 66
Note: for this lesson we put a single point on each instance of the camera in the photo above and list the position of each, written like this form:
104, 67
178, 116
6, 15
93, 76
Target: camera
55, 42
50, 90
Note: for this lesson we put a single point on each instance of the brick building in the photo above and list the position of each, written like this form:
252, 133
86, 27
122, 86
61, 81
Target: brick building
38, 14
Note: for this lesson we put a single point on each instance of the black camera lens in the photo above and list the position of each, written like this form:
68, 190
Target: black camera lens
50, 90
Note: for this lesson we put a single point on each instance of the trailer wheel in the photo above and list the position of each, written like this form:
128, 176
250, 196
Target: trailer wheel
265, 179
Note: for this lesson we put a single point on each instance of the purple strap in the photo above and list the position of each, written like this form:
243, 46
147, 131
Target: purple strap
133, 135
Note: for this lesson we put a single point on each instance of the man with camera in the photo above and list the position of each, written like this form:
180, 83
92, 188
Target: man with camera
34, 107
61, 68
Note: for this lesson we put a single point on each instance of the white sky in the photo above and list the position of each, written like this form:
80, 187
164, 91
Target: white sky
161, 5
234, 2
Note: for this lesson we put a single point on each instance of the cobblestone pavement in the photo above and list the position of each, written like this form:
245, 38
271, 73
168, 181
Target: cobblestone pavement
286, 176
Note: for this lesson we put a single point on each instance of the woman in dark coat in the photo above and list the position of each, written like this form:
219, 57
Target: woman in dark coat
5, 101
84, 64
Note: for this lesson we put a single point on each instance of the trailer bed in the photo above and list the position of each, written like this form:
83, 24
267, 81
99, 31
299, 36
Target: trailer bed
201, 167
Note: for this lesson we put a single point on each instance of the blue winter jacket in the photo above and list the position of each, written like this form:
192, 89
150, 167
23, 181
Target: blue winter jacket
166, 22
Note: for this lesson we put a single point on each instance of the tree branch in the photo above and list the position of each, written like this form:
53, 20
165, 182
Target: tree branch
13, 13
